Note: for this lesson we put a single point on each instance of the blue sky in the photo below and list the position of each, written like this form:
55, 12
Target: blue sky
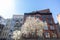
10, 7
23, 6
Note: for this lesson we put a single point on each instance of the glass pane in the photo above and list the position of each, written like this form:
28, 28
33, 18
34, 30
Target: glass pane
54, 35
49, 16
52, 27
46, 28
47, 35
37, 16
44, 18
49, 21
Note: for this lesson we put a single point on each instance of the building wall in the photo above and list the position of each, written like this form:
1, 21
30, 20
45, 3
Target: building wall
58, 24
19, 20
45, 15
10, 26
58, 28
58, 18
2, 26
6, 30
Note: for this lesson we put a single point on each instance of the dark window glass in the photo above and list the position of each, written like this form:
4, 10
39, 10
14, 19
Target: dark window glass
21, 19
46, 28
17, 20
49, 21
37, 16
11, 30
51, 27
32, 16
12, 23
0, 17
59, 29
49, 16
44, 18
47, 35
9, 35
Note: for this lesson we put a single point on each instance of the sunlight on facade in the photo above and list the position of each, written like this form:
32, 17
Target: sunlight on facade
58, 18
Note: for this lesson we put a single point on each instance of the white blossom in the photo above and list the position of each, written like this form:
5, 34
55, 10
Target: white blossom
16, 34
30, 26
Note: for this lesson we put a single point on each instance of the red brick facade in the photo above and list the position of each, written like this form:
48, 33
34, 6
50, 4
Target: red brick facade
45, 15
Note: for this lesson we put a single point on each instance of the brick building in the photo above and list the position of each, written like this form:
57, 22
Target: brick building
45, 15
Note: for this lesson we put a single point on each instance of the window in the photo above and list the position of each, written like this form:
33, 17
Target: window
46, 28
9, 35
17, 20
59, 29
32, 16
49, 16
0, 30
54, 35
44, 18
12, 23
11, 30
37, 16
38, 20
51, 27
17, 25
47, 35
0, 17
21, 20
49, 21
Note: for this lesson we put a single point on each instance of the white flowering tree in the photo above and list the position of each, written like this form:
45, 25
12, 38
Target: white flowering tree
32, 26
16, 34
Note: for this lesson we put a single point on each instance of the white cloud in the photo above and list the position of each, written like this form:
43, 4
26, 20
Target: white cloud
7, 8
